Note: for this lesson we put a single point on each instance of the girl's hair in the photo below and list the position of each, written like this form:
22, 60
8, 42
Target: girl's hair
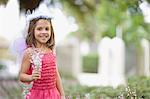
30, 38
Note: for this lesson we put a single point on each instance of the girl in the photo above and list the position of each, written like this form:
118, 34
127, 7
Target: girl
38, 66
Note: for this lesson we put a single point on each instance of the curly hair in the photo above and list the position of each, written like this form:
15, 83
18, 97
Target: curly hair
30, 39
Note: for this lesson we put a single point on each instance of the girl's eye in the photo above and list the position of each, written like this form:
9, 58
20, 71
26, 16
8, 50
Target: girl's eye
47, 28
39, 28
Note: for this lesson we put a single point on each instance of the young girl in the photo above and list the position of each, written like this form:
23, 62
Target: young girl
38, 66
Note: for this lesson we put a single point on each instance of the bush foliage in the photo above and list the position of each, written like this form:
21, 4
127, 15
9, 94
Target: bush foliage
90, 63
136, 87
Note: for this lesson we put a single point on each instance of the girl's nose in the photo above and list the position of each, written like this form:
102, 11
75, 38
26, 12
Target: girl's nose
43, 31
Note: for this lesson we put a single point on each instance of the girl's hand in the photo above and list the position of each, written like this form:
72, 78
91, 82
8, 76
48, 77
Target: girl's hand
36, 74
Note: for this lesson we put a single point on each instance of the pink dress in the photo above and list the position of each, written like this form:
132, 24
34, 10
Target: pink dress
45, 87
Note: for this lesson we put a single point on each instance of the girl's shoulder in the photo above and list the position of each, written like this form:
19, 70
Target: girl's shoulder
54, 51
28, 51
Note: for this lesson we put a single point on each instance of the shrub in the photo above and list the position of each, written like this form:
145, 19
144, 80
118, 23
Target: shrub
90, 63
141, 85
136, 87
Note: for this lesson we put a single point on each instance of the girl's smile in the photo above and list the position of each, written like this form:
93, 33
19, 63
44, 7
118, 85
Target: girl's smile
43, 36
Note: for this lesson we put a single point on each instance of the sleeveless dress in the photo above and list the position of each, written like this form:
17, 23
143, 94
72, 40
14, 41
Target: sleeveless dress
45, 87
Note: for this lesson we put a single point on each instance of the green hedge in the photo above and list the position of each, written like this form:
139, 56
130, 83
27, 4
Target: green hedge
90, 63
138, 87
141, 85
1, 66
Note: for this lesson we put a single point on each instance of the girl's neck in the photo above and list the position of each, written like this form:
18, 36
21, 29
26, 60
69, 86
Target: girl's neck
41, 47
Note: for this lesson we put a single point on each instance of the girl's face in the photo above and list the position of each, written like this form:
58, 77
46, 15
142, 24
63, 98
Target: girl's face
42, 31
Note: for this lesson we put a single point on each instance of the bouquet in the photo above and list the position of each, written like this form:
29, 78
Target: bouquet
36, 60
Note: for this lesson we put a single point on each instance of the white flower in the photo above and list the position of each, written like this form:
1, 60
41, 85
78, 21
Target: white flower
36, 58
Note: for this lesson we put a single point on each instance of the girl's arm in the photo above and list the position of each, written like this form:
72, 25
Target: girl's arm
25, 65
59, 84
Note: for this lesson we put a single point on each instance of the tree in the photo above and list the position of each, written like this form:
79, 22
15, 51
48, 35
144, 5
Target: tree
102, 17
124, 14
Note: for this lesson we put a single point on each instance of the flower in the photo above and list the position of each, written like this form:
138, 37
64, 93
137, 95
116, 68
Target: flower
36, 60
26, 88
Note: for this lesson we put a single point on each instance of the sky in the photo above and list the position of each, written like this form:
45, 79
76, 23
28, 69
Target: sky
145, 7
